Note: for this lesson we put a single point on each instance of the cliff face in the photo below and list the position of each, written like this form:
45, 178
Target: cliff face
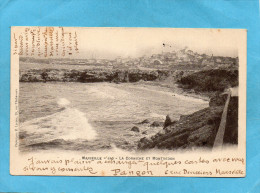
210, 80
45, 75
199, 129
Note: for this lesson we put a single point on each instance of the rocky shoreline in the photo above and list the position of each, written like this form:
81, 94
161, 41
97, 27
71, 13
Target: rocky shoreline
190, 131
91, 75
199, 129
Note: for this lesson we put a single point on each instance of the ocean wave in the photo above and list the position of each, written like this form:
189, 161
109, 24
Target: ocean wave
63, 102
68, 124
107, 91
174, 95
97, 92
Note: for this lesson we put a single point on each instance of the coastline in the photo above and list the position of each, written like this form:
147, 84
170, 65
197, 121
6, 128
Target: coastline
193, 130
200, 128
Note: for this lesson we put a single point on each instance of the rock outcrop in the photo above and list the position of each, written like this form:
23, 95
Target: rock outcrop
88, 76
146, 121
156, 124
210, 80
199, 129
170, 120
135, 129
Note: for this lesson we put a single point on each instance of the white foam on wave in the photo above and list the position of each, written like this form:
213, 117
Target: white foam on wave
69, 124
63, 102
74, 125
100, 93
175, 95
106, 91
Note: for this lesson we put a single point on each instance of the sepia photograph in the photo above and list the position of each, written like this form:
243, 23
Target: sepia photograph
133, 90
128, 96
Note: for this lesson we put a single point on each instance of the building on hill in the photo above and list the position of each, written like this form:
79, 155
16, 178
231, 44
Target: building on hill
218, 60
208, 61
157, 62
190, 52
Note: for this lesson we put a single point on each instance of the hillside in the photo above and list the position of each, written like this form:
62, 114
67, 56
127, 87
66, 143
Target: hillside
199, 129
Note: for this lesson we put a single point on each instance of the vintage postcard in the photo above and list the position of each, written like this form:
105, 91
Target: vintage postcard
128, 102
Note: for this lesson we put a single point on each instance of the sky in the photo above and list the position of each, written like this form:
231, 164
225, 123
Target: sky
135, 42
110, 43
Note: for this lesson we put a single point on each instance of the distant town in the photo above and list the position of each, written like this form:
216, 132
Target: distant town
165, 60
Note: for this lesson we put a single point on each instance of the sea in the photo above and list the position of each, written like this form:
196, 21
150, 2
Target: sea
90, 117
